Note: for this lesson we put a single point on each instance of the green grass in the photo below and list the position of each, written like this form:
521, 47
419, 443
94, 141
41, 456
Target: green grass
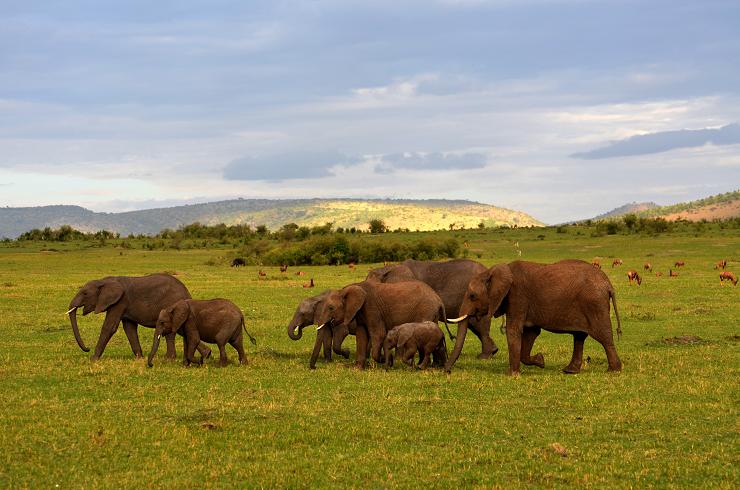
670, 419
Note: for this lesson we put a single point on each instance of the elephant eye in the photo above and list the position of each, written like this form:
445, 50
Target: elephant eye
331, 308
472, 296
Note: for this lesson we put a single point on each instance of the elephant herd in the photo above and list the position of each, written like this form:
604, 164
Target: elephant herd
396, 307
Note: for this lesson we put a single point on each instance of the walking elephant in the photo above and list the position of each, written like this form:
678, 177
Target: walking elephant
450, 281
570, 296
376, 308
426, 338
330, 336
131, 300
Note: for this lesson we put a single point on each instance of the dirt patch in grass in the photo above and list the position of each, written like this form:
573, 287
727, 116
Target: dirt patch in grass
733, 338
681, 340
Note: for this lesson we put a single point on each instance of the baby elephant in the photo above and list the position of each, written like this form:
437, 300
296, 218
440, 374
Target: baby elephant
408, 338
217, 321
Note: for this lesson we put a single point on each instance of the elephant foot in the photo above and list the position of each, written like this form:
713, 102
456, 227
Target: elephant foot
94, 357
538, 360
569, 369
360, 366
514, 374
344, 353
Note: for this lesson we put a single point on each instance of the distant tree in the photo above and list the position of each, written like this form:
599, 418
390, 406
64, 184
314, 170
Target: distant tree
630, 220
377, 226
262, 230
481, 225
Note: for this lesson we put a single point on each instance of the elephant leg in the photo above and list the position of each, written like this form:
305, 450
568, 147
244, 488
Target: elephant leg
577, 360
425, 362
337, 339
133, 337
327, 346
205, 351
362, 342
238, 344
528, 337
483, 332
514, 330
603, 335
376, 347
170, 341
408, 356
223, 360
110, 325
320, 335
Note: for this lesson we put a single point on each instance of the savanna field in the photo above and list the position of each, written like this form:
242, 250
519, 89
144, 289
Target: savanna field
669, 419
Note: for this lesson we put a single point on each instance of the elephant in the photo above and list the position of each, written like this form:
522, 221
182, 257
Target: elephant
570, 296
218, 321
329, 337
450, 281
376, 308
131, 300
425, 337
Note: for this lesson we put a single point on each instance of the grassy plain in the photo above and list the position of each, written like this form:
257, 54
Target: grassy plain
670, 419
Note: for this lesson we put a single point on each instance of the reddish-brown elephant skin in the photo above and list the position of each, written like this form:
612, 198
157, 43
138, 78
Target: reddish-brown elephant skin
450, 281
570, 296
131, 300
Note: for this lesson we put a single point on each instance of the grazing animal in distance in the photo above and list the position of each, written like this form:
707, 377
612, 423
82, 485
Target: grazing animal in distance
351, 265
596, 263
309, 284
238, 262
672, 274
300, 273
283, 267
617, 262
632, 275
727, 276
721, 264
648, 266
679, 263
658, 274
261, 274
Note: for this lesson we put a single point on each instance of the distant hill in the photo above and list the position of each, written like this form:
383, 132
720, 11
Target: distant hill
721, 206
347, 213
634, 207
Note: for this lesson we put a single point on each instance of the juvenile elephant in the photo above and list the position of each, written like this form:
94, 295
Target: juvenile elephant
425, 337
376, 308
330, 336
218, 321
570, 296
450, 281
131, 300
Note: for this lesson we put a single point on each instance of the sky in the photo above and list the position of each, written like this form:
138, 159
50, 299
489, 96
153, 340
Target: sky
563, 109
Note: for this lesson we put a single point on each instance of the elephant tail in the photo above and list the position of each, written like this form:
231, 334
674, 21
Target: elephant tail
443, 314
251, 339
613, 296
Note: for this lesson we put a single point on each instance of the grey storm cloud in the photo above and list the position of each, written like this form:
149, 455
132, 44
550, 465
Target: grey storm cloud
284, 166
434, 161
665, 141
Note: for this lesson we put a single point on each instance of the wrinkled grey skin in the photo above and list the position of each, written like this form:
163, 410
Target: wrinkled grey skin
329, 336
376, 307
217, 321
131, 300
570, 296
426, 338
450, 281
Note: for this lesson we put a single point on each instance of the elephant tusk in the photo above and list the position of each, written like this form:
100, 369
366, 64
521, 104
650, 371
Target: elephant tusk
70, 311
457, 320
159, 336
320, 327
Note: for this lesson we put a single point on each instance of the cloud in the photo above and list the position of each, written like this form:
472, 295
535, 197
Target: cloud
431, 161
284, 166
665, 141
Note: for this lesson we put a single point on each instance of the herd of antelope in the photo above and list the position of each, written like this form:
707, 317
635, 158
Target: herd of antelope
634, 277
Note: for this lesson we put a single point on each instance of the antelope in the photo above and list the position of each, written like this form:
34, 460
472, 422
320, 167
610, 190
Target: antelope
672, 274
679, 263
658, 274
300, 273
309, 284
261, 274
616, 262
283, 267
632, 275
721, 264
596, 263
351, 265
648, 266
727, 276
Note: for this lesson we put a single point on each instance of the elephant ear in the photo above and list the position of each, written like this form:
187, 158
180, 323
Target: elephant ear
404, 335
499, 284
179, 314
109, 293
354, 297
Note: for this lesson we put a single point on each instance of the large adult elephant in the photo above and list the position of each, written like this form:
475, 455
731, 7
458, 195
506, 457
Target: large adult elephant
570, 296
330, 337
376, 307
131, 300
450, 281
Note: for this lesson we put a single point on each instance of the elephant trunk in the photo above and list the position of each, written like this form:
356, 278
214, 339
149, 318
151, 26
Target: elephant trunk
317, 346
388, 354
73, 319
462, 329
295, 323
155, 346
